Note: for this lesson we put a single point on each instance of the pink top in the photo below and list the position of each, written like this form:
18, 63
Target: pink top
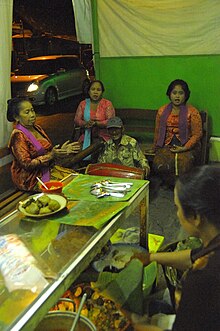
104, 111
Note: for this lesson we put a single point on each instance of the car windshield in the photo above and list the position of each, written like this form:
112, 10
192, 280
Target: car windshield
37, 67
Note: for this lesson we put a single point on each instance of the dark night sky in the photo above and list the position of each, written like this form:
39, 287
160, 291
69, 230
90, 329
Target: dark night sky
53, 16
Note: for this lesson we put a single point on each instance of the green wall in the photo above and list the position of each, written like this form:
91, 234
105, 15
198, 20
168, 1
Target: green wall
142, 82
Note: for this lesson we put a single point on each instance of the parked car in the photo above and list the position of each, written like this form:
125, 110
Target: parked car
46, 79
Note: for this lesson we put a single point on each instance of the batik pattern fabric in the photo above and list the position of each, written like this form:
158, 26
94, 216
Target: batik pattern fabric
128, 153
27, 164
104, 111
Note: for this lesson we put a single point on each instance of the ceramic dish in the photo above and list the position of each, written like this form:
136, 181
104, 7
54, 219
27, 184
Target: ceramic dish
59, 198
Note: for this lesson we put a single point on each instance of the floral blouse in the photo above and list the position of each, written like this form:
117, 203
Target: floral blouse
104, 111
27, 164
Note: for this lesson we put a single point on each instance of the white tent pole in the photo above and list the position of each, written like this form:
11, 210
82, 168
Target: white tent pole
6, 9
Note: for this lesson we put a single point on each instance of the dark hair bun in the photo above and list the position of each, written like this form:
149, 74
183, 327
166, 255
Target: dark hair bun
10, 111
13, 108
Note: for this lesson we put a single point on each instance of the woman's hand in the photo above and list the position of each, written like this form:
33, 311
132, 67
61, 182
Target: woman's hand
50, 155
147, 172
67, 148
178, 149
71, 147
144, 257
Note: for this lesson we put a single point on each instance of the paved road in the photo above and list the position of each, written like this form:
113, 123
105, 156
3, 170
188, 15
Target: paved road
58, 122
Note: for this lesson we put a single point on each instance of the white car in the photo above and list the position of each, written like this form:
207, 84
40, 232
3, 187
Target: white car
46, 79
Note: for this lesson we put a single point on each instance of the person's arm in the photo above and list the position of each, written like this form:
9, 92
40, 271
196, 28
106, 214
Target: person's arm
140, 159
180, 260
157, 126
66, 149
104, 154
196, 128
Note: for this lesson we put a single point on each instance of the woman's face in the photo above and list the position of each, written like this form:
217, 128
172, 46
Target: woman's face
95, 92
27, 115
177, 96
188, 224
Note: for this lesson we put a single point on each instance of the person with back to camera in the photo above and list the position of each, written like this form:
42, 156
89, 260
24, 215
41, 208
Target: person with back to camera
178, 131
34, 155
197, 295
93, 113
122, 149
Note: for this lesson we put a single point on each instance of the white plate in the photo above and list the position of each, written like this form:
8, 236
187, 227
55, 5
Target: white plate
59, 198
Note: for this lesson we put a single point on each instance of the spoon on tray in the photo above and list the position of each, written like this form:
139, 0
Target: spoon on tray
100, 193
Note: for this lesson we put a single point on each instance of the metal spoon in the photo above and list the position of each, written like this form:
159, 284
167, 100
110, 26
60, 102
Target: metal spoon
100, 193
109, 182
78, 312
112, 194
109, 188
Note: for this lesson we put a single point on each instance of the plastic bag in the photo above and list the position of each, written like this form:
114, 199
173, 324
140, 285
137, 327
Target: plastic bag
18, 266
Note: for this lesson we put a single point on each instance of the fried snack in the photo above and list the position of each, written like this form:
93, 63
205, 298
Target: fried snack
53, 205
44, 200
42, 205
32, 208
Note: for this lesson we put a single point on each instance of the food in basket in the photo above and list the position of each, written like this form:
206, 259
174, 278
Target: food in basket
101, 311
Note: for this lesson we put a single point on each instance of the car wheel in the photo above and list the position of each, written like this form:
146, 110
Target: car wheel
51, 96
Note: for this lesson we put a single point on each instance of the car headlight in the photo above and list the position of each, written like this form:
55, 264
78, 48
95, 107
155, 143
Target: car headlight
33, 87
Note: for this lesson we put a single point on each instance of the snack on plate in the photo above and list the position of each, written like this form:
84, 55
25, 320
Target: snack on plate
18, 266
42, 205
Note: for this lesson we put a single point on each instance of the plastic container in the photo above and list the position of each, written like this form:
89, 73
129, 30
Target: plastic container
53, 187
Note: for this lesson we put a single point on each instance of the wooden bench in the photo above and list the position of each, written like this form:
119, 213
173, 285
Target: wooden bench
140, 124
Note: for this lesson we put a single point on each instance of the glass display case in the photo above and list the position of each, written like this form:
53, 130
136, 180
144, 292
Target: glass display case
64, 245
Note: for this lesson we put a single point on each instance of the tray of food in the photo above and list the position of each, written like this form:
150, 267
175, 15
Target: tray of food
103, 312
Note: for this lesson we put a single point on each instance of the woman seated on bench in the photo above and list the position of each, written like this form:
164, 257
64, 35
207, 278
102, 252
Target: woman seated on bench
93, 113
34, 155
178, 132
